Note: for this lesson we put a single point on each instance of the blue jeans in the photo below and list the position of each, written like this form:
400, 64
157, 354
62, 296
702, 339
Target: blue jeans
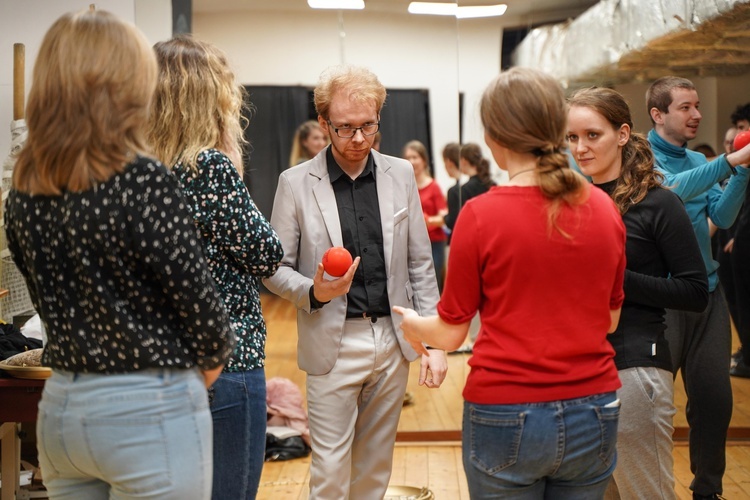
144, 435
238, 407
553, 450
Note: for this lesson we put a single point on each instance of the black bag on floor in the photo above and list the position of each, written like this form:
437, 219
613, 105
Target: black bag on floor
278, 449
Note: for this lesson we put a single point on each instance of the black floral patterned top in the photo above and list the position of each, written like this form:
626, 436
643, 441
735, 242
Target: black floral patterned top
240, 245
118, 276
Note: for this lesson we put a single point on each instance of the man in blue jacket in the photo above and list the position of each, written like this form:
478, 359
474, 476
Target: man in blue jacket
700, 342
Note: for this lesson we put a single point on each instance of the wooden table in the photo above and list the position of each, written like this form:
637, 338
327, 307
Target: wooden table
18, 403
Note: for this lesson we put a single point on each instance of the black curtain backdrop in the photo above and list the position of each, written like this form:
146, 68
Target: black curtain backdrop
275, 115
405, 117
278, 111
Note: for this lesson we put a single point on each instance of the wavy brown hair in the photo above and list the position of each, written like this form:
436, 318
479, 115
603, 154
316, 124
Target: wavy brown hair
637, 173
198, 104
88, 104
524, 110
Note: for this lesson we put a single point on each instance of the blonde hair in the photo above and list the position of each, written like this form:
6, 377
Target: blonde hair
198, 104
357, 83
88, 104
524, 110
299, 152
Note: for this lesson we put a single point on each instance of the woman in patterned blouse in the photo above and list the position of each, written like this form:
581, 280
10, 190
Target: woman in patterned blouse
115, 270
195, 126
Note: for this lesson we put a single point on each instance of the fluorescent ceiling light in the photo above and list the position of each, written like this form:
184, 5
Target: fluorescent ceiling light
433, 8
453, 9
337, 4
468, 12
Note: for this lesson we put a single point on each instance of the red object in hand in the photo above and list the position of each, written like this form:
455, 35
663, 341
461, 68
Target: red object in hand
741, 140
336, 261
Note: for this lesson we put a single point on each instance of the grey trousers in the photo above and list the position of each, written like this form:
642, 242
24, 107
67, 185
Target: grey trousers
354, 411
645, 465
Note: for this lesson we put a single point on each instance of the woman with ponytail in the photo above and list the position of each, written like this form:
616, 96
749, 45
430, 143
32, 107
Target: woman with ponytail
477, 167
664, 270
542, 259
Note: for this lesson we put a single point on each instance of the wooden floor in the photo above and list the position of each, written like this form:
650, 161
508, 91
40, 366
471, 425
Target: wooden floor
435, 415
438, 466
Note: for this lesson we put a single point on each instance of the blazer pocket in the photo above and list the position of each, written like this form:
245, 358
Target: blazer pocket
400, 215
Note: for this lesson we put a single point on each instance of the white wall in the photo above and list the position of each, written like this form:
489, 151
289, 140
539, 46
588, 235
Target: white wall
480, 49
275, 48
26, 21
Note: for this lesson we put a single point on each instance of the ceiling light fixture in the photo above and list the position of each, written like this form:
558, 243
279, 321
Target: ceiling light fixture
337, 4
453, 9
433, 8
468, 12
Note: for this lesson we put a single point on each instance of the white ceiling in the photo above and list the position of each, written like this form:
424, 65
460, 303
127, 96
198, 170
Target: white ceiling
524, 12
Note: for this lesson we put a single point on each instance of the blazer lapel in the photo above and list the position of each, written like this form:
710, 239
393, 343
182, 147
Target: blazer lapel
326, 199
385, 202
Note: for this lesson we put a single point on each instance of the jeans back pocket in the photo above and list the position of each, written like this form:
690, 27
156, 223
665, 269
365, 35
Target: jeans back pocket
495, 438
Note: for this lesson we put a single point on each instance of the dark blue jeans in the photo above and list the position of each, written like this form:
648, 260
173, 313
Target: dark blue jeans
238, 408
554, 450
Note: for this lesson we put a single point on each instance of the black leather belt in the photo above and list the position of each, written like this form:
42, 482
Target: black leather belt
366, 315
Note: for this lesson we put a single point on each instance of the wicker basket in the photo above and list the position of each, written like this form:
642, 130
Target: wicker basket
18, 300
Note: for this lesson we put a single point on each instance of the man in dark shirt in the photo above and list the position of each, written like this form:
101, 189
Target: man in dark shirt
356, 358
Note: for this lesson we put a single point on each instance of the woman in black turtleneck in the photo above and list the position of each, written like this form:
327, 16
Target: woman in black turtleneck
664, 270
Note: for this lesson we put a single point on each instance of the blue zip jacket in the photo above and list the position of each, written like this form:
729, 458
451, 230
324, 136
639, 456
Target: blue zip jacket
695, 180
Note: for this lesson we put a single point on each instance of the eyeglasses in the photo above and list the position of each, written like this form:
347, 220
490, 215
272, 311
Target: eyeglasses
349, 132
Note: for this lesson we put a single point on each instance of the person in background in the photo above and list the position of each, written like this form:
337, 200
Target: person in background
664, 269
377, 140
735, 280
706, 150
451, 158
540, 411
195, 127
741, 117
700, 343
357, 364
473, 164
309, 140
434, 205
135, 327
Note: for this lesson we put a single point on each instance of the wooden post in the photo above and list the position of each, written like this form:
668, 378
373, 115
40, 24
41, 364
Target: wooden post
19, 74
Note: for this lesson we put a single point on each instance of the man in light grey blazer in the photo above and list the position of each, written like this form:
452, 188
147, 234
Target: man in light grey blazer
355, 356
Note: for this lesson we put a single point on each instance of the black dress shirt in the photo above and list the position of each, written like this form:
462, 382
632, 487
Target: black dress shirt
362, 234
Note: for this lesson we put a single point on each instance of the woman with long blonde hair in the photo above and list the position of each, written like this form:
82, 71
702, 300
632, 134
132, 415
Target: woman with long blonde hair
542, 260
135, 326
309, 140
195, 127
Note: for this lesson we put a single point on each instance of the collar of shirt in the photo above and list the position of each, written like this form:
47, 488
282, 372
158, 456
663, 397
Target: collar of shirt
335, 171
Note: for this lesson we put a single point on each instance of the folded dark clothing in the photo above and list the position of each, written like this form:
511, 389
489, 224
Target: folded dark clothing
12, 341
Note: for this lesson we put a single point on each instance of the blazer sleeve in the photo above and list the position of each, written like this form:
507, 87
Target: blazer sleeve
287, 282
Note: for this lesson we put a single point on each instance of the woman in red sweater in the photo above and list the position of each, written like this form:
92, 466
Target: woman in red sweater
542, 259
434, 206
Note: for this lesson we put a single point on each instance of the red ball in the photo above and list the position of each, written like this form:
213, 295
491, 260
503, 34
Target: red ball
741, 140
336, 261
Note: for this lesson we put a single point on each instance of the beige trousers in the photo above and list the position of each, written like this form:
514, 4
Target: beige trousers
354, 411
